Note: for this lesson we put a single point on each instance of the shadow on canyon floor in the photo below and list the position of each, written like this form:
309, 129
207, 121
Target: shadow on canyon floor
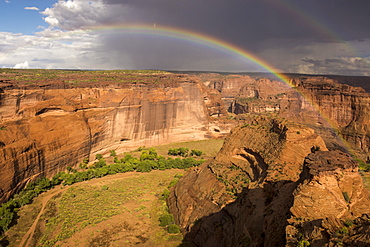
257, 217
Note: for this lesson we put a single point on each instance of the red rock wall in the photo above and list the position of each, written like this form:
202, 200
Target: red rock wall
47, 129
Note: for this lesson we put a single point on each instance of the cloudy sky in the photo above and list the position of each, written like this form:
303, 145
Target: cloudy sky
300, 36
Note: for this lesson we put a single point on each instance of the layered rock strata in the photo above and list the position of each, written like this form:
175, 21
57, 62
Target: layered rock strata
259, 183
47, 127
336, 111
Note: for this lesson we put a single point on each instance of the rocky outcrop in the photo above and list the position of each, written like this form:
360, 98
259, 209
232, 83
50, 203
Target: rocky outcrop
224, 202
329, 203
259, 184
49, 125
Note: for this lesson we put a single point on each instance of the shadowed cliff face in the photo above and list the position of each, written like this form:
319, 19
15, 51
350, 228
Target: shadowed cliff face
47, 128
259, 185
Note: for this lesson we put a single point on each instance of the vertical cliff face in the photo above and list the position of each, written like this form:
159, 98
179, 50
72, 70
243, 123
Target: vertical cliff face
328, 105
244, 94
45, 128
260, 187
319, 102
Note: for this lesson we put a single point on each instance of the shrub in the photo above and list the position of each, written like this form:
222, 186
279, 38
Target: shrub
173, 182
165, 220
196, 152
303, 243
184, 152
165, 194
173, 228
147, 155
113, 153
99, 163
83, 166
348, 223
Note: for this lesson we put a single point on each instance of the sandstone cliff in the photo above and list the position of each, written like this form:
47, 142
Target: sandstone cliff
329, 203
50, 124
335, 111
258, 184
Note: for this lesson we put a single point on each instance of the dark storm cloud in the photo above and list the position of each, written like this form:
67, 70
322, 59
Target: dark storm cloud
248, 22
301, 36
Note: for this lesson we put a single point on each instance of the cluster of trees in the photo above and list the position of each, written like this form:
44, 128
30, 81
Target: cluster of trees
149, 160
9, 209
184, 152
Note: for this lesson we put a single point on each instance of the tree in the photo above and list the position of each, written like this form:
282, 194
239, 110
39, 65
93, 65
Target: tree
6, 217
145, 166
196, 152
113, 153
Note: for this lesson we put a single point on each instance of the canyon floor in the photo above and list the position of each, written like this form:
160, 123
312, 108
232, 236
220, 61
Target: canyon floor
116, 210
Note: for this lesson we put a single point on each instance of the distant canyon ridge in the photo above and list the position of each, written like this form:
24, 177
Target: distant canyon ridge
54, 119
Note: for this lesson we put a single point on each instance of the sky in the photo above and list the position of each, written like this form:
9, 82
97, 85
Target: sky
292, 36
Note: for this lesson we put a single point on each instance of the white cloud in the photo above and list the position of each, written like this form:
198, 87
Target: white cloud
7, 1
31, 8
21, 65
76, 14
52, 49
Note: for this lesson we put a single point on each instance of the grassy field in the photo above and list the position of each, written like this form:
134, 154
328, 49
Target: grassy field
209, 147
115, 210
80, 77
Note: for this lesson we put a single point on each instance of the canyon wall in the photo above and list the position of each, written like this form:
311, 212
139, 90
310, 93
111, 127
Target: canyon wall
270, 178
45, 128
321, 103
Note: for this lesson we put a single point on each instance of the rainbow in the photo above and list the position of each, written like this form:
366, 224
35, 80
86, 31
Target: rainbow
307, 20
212, 42
193, 37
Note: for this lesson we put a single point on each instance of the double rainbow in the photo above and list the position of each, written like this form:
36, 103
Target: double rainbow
192, 37
212, 42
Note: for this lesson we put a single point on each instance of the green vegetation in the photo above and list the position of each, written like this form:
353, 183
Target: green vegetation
209, 147
363, 166
129, 199
113, 153
166, 219
184, 152
303, 243
173, 228
149, 160
82, 77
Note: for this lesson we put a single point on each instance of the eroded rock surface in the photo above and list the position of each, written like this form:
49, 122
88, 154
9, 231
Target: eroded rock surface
261, 182
330, 203
51, 124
